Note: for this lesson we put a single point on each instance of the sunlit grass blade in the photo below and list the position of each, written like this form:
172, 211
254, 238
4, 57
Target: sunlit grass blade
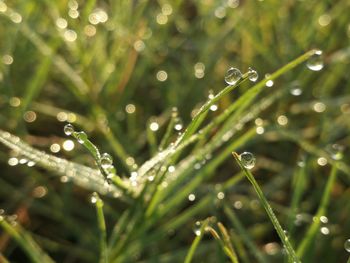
321, 211
97, 201
196, 241
285, 240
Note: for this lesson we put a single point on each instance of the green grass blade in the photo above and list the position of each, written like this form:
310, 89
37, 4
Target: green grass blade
101, 227
26, 242
269, 211
196, 242
321, 211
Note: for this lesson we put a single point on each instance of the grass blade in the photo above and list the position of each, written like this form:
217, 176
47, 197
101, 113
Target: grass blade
269, 211
321, 211
26, 242
196, 242
101, 227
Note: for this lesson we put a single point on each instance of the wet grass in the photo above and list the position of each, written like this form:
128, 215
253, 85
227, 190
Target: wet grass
147, 175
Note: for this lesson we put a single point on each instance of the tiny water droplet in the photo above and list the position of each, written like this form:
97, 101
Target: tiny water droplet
106, 160
315, 62
347, 245
335, 151
81, 137
197, 228
68, 129
232, 76
253, 75
93, 198
247, 159
178, 124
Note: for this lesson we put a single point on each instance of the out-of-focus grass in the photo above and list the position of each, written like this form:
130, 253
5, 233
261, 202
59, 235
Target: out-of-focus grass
116, 70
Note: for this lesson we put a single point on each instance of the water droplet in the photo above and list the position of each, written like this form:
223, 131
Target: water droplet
247, 159
197, 228
68, 129
325, 230
191, 197
93, 198
253, 75
347, 245
336, 151
295, 88
178, 124
315, 62
220, 195
106, 160
324, 219
81, 137
232, 76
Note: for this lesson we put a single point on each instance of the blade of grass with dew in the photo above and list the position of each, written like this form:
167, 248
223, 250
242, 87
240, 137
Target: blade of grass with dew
290, 251
109, 174
244, 234
193, 126
100, 114
244, 100
26, 242
101, 227
321, 211
82, 175
196, 242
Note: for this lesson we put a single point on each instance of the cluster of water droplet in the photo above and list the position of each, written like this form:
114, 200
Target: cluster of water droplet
233, 75
104, 161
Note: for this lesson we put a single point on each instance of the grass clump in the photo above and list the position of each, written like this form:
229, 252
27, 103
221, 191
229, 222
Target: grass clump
143, 82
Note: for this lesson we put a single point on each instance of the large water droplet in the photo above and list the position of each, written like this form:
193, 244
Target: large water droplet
68, 129
247, 159
232, 76
81, 137
197, 228
106, 160
347, 245
315, 62
253, 75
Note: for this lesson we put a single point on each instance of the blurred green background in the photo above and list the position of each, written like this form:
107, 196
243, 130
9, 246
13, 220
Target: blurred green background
112, 68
